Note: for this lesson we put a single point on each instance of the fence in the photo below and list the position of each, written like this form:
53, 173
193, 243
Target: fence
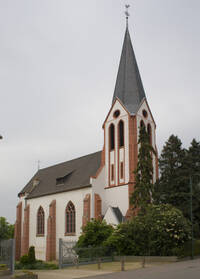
70, 255
7, 253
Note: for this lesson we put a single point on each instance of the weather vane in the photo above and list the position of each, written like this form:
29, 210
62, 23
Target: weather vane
127, 13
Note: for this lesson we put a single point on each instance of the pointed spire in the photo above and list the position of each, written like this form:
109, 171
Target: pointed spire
129, 88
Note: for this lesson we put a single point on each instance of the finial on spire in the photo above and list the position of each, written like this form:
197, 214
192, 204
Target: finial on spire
127, 14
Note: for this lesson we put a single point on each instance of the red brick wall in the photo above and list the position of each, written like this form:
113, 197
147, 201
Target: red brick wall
25, 238
97, 207
51, 233
18, 231
86, 209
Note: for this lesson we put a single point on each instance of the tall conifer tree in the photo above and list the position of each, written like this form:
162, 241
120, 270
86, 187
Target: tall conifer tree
143, 187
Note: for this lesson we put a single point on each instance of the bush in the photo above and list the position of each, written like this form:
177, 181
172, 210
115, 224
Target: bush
162, 231
24, 259
185, 251
94, 234
40, 265
29, 262
31, 254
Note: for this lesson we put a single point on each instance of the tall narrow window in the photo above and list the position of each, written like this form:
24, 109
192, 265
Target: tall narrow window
149, 133
121, 133
40, 221
112, 136
112, 172
142, 123
121, 170
70, 215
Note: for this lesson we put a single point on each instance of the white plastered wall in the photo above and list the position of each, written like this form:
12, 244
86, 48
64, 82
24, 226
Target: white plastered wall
147, 120
110, 119
62, 199
118, 197
110, 217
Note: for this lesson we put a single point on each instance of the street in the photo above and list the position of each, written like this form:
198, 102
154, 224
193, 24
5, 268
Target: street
180, 270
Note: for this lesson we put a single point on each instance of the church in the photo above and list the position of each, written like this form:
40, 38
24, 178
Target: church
59, 200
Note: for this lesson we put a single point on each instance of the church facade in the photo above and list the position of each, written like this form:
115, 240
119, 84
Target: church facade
59, 200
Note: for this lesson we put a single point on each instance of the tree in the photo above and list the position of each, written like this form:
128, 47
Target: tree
162, 231
176, 165
6, 229
193, 171
94, 234
171, 187
143, 187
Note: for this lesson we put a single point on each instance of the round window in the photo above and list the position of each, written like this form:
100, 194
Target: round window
144, 112
116, 113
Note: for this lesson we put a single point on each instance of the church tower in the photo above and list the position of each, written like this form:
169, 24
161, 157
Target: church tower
128, 112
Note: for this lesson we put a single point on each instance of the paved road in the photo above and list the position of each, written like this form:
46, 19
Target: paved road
180, 270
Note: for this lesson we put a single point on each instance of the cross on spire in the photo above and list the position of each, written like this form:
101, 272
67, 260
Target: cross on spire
127, 14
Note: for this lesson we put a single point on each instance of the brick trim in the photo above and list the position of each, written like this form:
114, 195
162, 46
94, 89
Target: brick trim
86, 209
51, 233
25, 238
18, 231
97, 207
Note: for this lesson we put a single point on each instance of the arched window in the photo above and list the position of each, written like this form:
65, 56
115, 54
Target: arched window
142, 123
121, 133
40, 221
70, 215
149, 133
112, 136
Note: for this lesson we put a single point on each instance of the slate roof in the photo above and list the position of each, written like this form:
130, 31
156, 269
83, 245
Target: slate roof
129, 88
74, 174
118, 214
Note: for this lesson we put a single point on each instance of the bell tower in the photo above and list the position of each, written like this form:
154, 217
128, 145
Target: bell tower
129, 110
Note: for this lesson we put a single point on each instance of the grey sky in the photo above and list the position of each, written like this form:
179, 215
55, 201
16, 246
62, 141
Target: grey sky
58, 65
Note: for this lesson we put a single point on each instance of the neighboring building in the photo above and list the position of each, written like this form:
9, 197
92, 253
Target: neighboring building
60, 199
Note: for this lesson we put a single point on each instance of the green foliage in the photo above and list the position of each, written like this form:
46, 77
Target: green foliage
94, 234
3, 267
31, 254
39, 265
6, 229
24, 260
162, 231
176, 165
143, 187
185, 251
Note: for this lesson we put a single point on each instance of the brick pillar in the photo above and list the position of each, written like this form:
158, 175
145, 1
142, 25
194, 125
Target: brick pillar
133, 157
97, 207
51, 233
25, 238
86, 209
18, 231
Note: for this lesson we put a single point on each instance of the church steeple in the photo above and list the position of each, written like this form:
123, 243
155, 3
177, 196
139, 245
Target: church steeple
129, 88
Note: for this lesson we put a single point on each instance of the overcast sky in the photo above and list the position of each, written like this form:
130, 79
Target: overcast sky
58, 66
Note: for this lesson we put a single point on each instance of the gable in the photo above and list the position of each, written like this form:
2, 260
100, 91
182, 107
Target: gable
117, 105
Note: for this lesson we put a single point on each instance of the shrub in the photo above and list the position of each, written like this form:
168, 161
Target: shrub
94, 234
31, 254
24, 259
162, 231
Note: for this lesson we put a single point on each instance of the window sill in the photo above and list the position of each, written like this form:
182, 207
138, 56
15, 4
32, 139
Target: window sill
70, 234
39, 235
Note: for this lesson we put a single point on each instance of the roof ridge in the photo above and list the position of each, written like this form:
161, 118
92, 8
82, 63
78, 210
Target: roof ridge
70, 160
